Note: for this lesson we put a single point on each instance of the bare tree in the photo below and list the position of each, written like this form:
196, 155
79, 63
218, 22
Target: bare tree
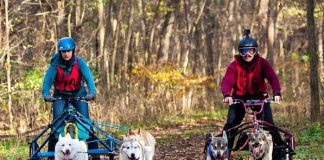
321, 54
124, 68
212, 42
315, 106
8, 65
263, 10
60, 23
117, 23
102, 51
166, 32
2, 54
271, 32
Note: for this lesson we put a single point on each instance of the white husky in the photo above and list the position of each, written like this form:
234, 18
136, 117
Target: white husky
138, 146
70, 149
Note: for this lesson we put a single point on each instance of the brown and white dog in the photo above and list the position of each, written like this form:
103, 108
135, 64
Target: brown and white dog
137, 146
260, 144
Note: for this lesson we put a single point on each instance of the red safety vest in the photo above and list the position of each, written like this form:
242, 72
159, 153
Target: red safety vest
252, 82
69, 82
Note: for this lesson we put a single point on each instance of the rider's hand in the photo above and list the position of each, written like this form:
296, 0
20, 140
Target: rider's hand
277, 99
90, 97
49, 98
228, 100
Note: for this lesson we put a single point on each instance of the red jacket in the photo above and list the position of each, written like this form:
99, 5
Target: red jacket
247, 80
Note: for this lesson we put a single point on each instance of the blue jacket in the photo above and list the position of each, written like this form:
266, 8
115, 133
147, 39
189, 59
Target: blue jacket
52, 71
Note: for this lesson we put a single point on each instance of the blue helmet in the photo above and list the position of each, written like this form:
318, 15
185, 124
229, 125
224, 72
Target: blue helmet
66, 44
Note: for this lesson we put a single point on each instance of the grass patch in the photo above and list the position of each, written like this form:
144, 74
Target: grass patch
309, 137
310, 141
13, 149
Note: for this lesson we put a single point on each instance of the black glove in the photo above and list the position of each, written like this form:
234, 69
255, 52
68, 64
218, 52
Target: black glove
90, 97
49, 99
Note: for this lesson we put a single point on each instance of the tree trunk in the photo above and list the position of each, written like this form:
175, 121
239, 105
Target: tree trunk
8, 66
211, 26
2, 55
152, 32
60, 23
78, 14
78, 19
116, 28
166, 32
315, 105
264, 7
321, 56
102, 51
271, 32
124, 69
144, 28
69, 21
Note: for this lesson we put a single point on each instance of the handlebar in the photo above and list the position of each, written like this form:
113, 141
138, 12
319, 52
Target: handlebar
70, 99
252, 103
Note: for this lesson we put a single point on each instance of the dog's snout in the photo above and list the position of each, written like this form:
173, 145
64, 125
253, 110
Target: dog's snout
256, 144
67, 152
218, 154
133, 155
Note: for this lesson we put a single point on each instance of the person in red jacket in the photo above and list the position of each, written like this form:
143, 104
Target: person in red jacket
245, 79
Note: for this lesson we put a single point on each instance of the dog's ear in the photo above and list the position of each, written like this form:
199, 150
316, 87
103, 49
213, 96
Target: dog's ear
130, 132
68, 135
60, 136
224, 135
123, 137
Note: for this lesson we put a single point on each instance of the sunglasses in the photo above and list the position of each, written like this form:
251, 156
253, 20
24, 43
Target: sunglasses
247, 51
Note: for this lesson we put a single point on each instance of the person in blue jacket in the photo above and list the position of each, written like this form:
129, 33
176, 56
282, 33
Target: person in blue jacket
68, 72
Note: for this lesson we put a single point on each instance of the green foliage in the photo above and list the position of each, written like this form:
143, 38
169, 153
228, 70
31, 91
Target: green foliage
209, 115
13, 149
294, 56
295, 12
305, 58
309, 142
163, 8
32, 80
313, 133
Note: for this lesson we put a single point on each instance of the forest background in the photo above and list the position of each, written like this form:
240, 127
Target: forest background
156, 60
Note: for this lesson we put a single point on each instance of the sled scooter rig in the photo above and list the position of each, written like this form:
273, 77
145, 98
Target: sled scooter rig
71, 118
288, 141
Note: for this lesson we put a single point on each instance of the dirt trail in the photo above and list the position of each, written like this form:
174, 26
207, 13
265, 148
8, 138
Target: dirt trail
184, 142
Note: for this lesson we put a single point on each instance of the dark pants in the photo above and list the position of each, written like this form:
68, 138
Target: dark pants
235, 116
58, 108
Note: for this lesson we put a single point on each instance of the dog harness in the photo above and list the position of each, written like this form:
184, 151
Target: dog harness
68, 83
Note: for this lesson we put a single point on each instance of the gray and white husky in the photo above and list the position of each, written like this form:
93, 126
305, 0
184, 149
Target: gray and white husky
260, 144
137, 146
217, 147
